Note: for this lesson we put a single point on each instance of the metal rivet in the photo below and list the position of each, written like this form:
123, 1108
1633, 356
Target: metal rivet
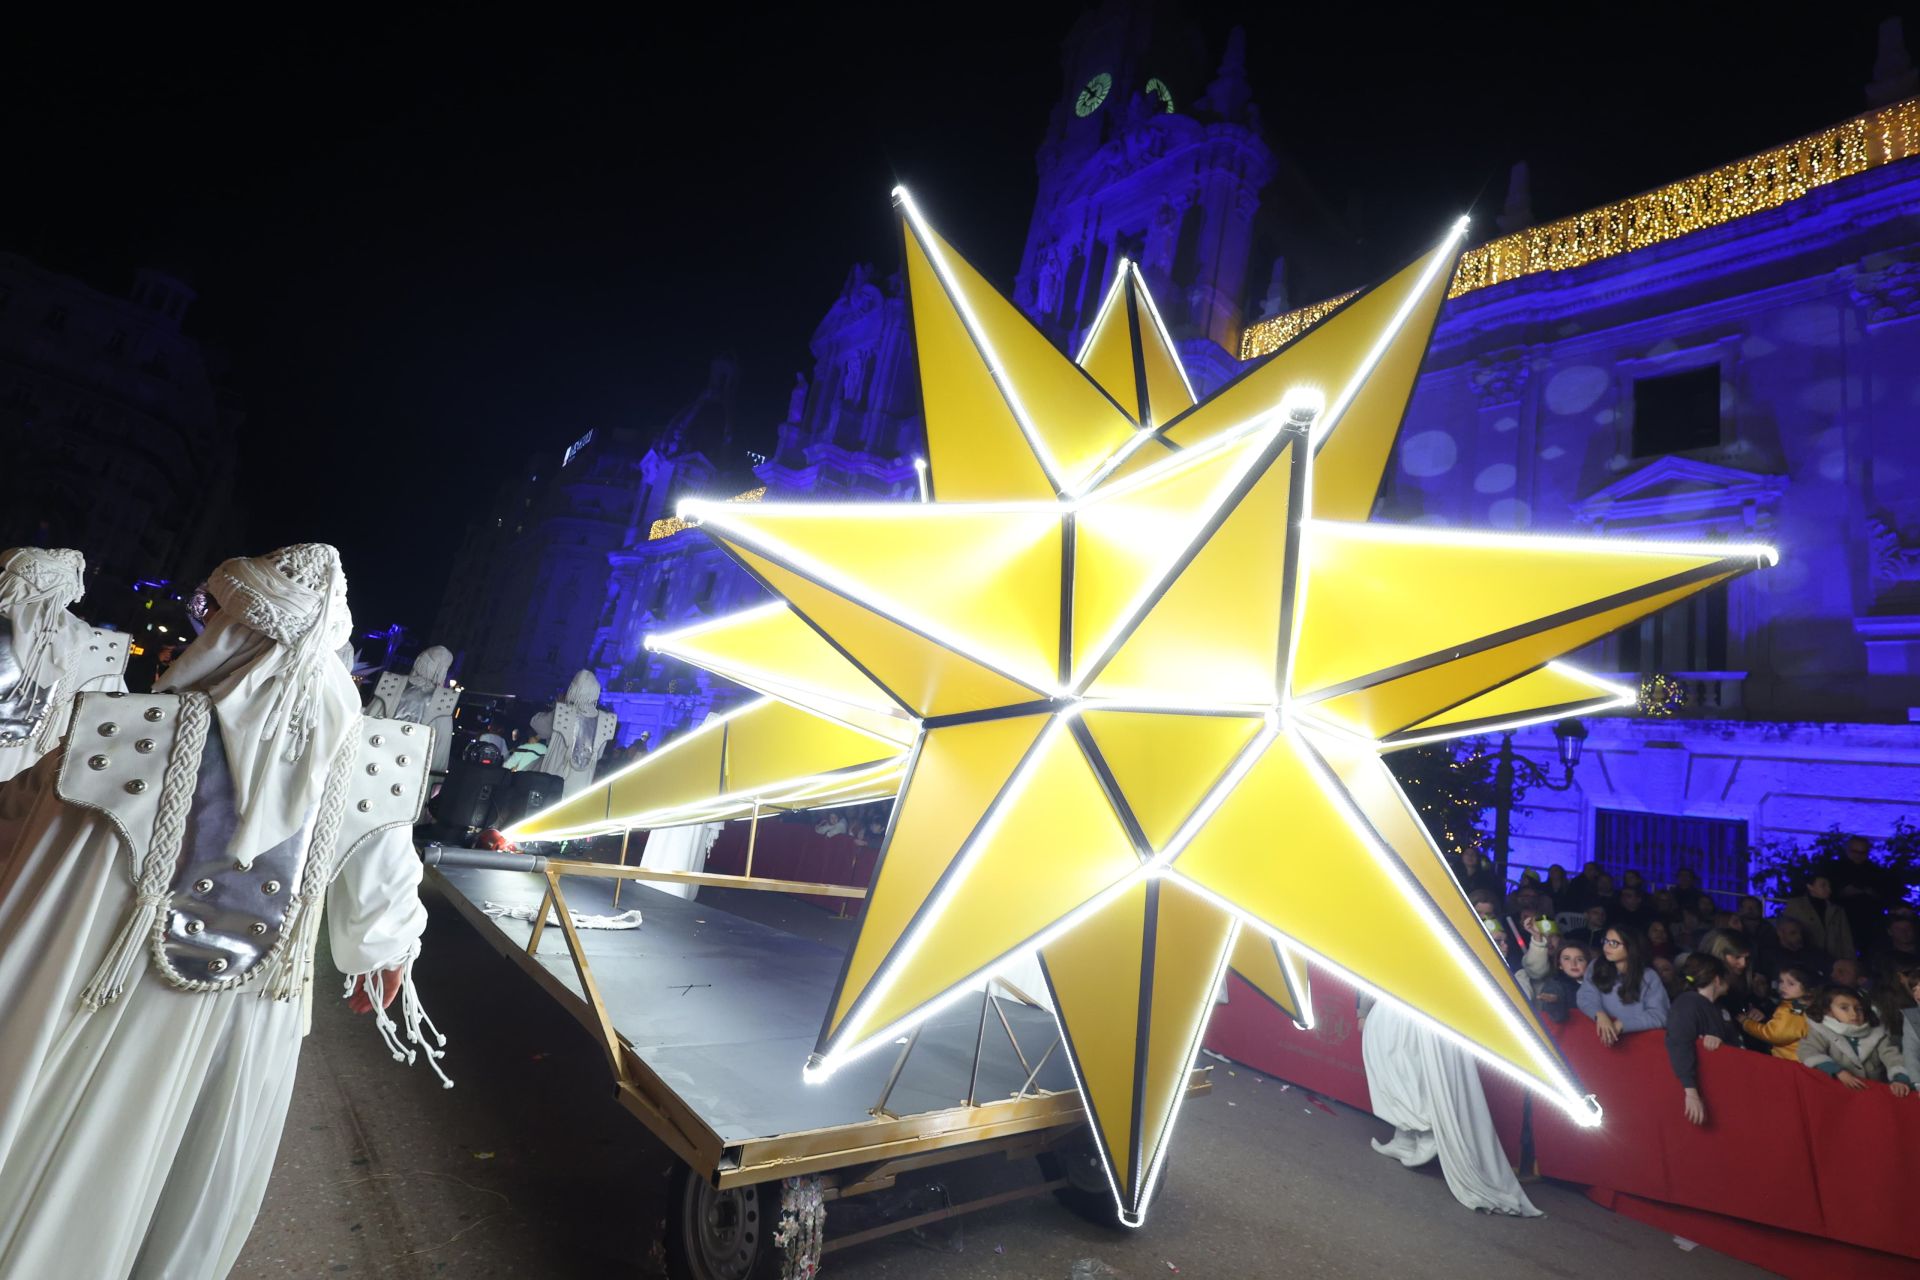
93, 648
108, 729
144, 746
378, 738
203, 886
137, 786
154, 713
407, 729
256, 928
373, 768
116, 695
216, 966
96, 762
365, 805
271, 886
396, 788
402, 762
241, 864
196, 926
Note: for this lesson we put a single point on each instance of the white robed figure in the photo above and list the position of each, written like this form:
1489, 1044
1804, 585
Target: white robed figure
1429, 1090
158, 918
46, 654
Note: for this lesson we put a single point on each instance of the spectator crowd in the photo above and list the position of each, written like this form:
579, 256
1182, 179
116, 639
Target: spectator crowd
1828, 979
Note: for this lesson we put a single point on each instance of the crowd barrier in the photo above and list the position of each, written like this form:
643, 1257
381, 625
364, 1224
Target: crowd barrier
1793, 1171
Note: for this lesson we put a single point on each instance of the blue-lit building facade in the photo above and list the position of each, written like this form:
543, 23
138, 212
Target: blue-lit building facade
1757, 380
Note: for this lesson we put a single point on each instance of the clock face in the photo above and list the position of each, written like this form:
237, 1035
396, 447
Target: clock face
1157, 88
1093, 95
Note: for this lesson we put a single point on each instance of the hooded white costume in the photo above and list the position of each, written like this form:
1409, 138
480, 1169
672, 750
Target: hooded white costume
1428, 1089
581, 731
46, 654
161, 881
421, 697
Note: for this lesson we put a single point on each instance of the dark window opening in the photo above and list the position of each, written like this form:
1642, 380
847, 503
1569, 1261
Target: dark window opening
1659, 844
1688, 636
1676, 412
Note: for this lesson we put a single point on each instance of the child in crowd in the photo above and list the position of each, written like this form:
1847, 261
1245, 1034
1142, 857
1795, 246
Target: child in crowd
1669, 975
1622, 992
1844, 1041
1659, 941
1556, 995
1783, 1031
1698, 1020
1847, 972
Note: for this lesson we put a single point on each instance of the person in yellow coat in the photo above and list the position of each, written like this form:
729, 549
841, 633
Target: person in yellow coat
1788, 1026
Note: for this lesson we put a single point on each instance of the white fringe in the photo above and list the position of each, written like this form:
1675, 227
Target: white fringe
404, 1040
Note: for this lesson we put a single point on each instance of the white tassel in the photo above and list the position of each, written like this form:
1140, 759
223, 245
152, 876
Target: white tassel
110, 979
404, 1039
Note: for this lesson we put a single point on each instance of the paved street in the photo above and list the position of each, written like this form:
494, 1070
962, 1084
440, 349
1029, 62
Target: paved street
528, 1168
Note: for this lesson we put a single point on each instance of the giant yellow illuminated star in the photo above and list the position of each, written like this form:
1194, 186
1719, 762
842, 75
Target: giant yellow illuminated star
1148, 656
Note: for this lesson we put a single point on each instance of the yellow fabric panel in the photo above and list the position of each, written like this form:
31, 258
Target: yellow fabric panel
773, 744
1094, 973
1127, 537
1214, 637
1108, 356
674, 774
1546, 691
975, 447
1325, 359
984, 580
931, 680
1079, 427
958, 772
1352, 458
1166, 763
1167, 393
1288, 854
1390, 706
1376, 601
1190, 943
774, 651
1281, 978
1385, 808
1057, 845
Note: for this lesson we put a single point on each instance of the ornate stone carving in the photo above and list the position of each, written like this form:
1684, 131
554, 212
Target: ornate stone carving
1888, 292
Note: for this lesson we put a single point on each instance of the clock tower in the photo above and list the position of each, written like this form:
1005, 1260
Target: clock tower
1153, 153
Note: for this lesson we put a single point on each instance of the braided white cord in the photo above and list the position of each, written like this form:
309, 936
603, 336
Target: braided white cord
155, 877
292, 956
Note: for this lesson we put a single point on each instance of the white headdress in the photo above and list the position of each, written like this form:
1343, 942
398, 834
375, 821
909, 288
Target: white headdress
284, 700
431, 667
36, 586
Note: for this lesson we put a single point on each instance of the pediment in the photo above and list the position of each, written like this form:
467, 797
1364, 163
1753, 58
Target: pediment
1680, 488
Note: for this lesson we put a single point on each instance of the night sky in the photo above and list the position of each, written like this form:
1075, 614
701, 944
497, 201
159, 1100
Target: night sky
429, 245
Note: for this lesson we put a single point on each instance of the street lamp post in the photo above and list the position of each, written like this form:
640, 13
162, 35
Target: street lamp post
1513, 769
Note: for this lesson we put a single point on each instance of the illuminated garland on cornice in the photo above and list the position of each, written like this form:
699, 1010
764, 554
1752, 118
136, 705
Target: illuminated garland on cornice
1753, 185
670, 525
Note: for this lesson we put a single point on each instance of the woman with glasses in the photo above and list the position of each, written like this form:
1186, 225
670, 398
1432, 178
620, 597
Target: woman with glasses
1621, 991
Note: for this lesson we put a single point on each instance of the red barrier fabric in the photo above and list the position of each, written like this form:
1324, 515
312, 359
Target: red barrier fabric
1250, 1028
794, 851
1786, 1152
1786, 1253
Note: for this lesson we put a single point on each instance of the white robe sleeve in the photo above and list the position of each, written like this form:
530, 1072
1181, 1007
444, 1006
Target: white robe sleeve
374, 916
374, 922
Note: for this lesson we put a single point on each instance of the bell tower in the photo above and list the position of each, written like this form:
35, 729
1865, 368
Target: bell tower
1154, 154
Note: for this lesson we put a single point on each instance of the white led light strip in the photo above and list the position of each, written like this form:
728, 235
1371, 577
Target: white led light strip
1106, 307
1442, 257
1048, 464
